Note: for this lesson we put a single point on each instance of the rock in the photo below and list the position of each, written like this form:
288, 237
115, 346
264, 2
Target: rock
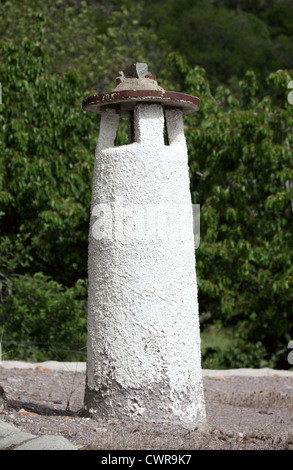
46, 443
12, 438
137, 70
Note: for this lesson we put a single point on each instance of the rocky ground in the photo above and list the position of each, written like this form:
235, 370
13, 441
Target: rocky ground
244, 412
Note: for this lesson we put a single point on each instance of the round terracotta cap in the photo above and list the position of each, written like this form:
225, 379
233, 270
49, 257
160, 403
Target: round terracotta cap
136, 85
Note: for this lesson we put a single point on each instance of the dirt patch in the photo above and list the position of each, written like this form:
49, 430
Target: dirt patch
243, 413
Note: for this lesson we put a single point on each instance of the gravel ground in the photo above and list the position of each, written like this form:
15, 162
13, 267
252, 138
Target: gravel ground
253, 413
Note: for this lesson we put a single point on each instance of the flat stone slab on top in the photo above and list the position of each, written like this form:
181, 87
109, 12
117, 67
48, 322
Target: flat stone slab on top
135, 85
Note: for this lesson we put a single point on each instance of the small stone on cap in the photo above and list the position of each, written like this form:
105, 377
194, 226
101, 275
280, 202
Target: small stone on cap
137, 70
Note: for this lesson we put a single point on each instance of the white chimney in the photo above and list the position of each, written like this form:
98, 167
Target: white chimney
143, 351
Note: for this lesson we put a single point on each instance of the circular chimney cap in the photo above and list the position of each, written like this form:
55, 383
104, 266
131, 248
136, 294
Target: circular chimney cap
136, 85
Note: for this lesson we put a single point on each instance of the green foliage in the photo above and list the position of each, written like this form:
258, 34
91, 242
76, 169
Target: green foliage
97, 38
41, 320
93, 38
223, 51
46, 161
225, 37
240, 150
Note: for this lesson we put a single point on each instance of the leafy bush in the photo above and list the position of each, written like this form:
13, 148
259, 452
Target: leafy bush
46, 164
240, 157
42, 320
46, 160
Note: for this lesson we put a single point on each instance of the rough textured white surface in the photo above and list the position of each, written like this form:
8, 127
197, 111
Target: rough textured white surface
143, 330
138, 84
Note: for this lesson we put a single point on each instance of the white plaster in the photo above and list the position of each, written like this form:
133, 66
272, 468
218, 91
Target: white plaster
143, 329
108, 129
175, 127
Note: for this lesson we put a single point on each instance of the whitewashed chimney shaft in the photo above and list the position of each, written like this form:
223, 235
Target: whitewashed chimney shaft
143, 330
